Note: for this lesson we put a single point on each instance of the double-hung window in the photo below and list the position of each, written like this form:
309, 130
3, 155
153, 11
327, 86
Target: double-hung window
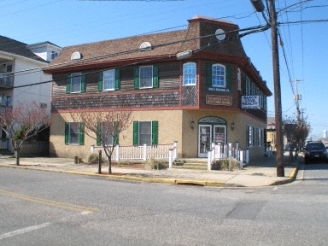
146, 77
218, 75
107, 133
145, 132
189, 73
74, 134
250, 136
109, 80
75, 83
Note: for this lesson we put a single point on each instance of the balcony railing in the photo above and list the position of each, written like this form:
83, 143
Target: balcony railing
5, 107
6, 80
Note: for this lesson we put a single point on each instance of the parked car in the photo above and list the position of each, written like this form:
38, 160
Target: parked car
314, 151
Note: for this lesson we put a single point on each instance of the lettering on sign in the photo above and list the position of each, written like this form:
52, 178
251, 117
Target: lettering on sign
250, 102
219, 100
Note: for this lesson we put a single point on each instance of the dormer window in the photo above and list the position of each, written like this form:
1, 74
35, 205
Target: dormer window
54, 54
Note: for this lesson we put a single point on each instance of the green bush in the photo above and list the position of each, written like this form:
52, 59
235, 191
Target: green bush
223, 164
156, 164
94, 157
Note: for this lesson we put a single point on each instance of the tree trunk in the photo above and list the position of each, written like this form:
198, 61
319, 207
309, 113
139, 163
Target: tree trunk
99, 161
17, 156
109, 164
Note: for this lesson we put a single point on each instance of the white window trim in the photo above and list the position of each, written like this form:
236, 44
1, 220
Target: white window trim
110, 89
152, 77
224, 76
73, 75
183, 76
69, 133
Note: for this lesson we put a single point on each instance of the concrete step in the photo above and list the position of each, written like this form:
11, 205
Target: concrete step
191, 163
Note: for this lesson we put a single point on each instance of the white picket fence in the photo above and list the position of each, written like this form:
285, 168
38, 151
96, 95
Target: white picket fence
142, 152
169, 151
219, 151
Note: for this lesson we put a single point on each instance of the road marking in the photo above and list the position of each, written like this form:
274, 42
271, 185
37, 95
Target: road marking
49, 202
24, 230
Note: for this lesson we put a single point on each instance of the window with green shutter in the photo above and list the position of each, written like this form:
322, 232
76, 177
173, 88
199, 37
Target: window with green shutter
146, 77
76, 83
109, 80
74, 133
145, 132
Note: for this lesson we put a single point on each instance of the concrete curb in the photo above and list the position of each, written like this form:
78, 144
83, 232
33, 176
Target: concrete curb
151, 179
291, 177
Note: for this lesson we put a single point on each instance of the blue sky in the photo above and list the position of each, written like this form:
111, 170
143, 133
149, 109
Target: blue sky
303, 54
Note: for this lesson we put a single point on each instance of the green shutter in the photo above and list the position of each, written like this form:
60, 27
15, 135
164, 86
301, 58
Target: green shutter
98, 140
66, 133
228, 76
154, 132
117, 79
100, 81
115, 135
135, 132
83, 83
209, 74
68, 84
81, 134
136, 78
155, 77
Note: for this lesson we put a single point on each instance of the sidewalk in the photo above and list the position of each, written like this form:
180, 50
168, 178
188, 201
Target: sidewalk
263, 172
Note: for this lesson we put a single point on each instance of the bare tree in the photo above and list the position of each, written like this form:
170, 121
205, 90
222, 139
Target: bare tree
296, 132
105, 128
23, 122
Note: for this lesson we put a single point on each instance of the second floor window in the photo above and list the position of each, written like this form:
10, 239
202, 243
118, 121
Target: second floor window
109, 80
218, 75
75, 83
189, 73
146, 77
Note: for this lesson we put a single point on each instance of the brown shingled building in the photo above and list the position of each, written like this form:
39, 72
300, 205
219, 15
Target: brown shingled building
186, 86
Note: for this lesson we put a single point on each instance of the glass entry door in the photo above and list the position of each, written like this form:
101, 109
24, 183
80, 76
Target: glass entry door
208, 134
204, 139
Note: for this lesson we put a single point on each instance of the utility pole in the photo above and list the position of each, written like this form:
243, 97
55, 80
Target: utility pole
297, 97
258, 5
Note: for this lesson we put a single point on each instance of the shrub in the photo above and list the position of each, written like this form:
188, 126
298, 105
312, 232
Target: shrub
156, 164
94, 157
223, 164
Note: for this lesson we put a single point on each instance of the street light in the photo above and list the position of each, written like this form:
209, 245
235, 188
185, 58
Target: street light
258, 5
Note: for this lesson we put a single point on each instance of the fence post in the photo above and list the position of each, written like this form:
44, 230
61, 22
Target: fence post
144, 152
241, 159
170, 157
175, 150
117, 153
225, 151
92, 148
209, 159
220, 151
229, 150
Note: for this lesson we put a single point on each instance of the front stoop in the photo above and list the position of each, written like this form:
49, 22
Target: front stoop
190, 163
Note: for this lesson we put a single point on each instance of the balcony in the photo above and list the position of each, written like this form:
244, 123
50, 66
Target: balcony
6, 80
4, 108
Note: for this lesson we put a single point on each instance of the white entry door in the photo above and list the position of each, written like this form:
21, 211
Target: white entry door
208, 134
204, 139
